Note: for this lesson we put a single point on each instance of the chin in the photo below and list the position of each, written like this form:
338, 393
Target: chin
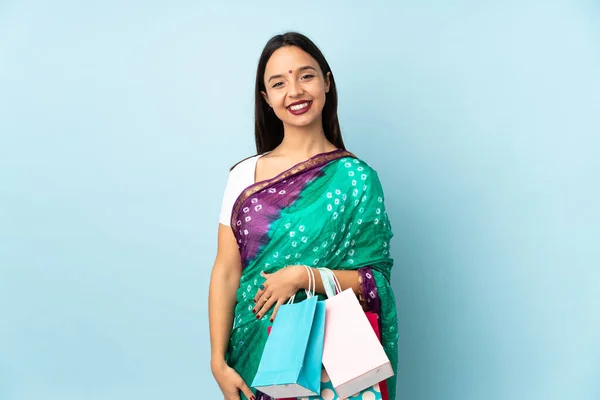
306, 120
301, 124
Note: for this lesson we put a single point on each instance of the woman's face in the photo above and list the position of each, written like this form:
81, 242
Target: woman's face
295, 86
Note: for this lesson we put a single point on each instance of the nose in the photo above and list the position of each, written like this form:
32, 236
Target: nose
295, 89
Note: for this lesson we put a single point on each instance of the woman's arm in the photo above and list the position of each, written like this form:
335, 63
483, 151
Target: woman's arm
281, 285
224, 282
348, 280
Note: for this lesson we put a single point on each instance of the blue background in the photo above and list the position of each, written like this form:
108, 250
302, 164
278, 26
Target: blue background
119, 121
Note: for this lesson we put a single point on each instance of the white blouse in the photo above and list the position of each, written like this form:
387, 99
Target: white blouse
240, 178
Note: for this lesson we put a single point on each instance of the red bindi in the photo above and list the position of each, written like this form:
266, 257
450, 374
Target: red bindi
290, 71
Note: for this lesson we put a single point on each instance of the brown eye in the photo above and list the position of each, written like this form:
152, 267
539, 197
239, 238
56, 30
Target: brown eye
308, 76
275, 85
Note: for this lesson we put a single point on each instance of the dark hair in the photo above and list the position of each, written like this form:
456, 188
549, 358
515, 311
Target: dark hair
268, 129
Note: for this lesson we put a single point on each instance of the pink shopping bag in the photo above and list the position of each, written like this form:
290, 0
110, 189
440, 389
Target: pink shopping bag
346, 328
375, 392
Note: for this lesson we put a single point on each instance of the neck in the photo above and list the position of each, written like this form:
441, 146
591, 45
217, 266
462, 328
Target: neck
305, 142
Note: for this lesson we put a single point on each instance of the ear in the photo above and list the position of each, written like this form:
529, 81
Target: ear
266, 97
327, 82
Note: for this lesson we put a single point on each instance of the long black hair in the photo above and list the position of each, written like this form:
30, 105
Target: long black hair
268, 129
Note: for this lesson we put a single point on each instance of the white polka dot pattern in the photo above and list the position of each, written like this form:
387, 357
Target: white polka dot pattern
328, 394
368, 396
328, 391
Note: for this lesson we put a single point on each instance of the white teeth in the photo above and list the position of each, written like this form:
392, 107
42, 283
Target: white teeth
299, 106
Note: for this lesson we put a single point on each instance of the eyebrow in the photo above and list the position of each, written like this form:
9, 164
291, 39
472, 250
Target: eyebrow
299, 69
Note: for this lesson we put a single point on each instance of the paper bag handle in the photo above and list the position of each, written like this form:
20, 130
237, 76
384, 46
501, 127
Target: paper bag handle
312, 284
330, 282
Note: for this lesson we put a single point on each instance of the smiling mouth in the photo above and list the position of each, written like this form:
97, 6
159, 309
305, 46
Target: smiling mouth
298, 107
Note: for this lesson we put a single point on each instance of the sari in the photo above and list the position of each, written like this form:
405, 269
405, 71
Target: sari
327, 211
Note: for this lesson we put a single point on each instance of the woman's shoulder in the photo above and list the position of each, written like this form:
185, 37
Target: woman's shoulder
357, 173
352, 162
245, 164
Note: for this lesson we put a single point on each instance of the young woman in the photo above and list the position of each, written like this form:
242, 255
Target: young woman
303, 200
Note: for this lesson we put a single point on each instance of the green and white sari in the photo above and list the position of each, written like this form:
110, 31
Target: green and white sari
325, 212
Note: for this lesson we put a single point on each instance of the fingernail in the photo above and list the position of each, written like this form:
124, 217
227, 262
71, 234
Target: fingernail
257, 316
253, 311
271, 319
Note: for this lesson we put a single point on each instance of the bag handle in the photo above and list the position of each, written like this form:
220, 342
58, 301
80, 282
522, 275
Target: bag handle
312, 284
329, 286
330, 282
311, 279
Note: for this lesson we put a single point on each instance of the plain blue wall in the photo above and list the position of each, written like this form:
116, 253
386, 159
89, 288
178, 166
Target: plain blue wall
119, 120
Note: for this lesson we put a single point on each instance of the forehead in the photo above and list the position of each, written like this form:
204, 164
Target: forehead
289, 58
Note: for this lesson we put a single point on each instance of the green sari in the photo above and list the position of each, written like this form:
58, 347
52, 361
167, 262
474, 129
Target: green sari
325, 212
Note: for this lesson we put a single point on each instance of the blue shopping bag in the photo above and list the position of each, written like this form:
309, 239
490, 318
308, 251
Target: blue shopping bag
291, 362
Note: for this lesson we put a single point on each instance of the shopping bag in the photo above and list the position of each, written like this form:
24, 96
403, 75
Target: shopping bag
374, 321
375, 392
290, 365
346, 325
287, 398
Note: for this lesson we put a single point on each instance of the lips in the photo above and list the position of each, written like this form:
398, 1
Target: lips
299, 107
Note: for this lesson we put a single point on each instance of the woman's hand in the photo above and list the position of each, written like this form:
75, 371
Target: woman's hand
278, 288
230, 382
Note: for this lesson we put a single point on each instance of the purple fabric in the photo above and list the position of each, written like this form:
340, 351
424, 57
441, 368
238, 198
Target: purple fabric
368, 291
261, 396
258, 211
